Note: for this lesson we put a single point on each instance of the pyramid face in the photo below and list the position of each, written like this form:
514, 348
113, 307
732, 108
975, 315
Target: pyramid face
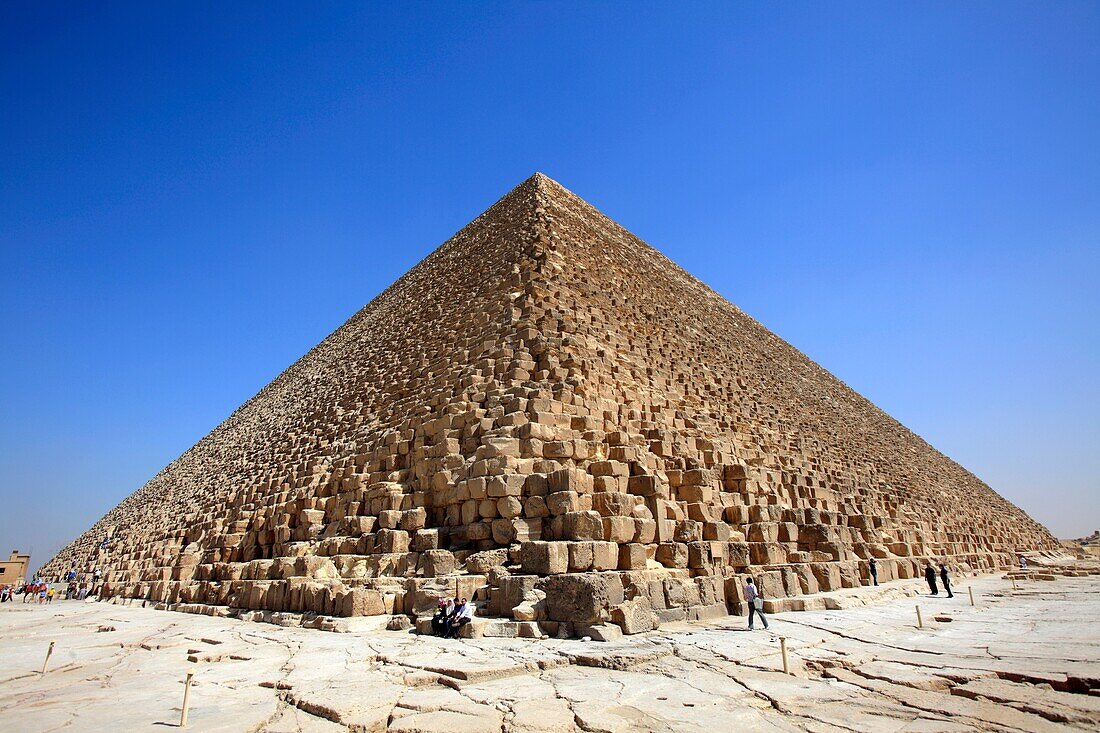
546, 401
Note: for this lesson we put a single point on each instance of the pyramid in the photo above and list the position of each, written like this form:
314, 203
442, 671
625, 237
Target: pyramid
548, 416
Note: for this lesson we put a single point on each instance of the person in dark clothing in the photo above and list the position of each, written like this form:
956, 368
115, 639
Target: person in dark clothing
946, 580
930, 576
442, 617
873, 567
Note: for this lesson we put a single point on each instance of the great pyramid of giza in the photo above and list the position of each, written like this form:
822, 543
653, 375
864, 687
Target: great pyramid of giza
548, 415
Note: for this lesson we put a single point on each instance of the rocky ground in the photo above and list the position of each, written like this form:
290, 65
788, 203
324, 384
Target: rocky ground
1020, 660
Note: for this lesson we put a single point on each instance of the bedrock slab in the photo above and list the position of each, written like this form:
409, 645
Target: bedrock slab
1020, 660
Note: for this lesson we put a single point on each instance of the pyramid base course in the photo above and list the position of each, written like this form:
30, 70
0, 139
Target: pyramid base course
513, 603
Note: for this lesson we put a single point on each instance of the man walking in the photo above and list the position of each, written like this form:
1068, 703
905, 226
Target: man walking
930, 576
756, 603
945, 580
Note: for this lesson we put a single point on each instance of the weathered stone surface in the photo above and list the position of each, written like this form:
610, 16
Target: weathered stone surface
580, 598
851, 671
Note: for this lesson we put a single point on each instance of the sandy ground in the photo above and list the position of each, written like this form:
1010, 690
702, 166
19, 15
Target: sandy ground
1021, 660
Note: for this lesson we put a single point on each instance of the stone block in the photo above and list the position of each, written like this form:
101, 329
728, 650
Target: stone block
632, 557
580, 598
582, 526
544, 558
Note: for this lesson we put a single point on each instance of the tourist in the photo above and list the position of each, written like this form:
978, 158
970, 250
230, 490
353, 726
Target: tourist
50, 595
873, 567
442, 616
463, 614
945, 580
756, 603
930, 576
1023, 563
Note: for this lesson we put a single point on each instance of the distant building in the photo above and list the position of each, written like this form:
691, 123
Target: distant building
13, 571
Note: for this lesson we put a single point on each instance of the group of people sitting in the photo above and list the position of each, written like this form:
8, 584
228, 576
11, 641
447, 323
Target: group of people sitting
451, 616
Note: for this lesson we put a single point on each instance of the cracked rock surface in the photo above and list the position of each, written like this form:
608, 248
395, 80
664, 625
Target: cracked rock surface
1020, 660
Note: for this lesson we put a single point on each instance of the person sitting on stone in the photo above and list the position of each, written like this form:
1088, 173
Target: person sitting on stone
756, 603
442, 616
463, 614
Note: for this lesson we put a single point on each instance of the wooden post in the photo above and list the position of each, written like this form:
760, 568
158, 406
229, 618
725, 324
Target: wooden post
971, 589
783, 650
186, 697
49, 652
920, 623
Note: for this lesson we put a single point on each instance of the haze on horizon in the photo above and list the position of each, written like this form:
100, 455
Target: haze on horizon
190, 201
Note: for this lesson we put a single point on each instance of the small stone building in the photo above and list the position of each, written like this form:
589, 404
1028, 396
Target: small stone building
13, 571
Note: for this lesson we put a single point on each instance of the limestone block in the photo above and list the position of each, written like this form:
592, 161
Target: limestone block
672, 554
513, 589
617, 529
480, 563
737, 554
645, 531
581, 556
392, 540
507, 485
688, 530
613, 503
716, 531
582, 526
570, 479
361, 602
562, 502
509, 507
424, 540
437, 562
827, 574
535, 506
389, 519
581, 598
632, 557
504, 531
761, 553
544, 558
526, 529
605, 555
413, 519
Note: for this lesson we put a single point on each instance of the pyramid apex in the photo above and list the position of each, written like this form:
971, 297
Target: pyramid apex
542, 181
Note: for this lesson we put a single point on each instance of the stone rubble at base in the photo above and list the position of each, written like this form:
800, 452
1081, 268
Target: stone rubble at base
548, 416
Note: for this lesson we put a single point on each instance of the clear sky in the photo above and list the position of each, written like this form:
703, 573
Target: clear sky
193, 195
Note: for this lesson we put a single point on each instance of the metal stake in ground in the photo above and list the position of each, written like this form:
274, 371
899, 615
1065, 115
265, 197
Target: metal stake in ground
971, 589
186, 697
46, 663
920, 624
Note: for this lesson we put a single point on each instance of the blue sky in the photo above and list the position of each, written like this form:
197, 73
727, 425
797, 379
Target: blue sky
193, 195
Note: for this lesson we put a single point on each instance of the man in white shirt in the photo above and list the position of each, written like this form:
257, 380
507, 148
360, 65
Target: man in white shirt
463, 614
